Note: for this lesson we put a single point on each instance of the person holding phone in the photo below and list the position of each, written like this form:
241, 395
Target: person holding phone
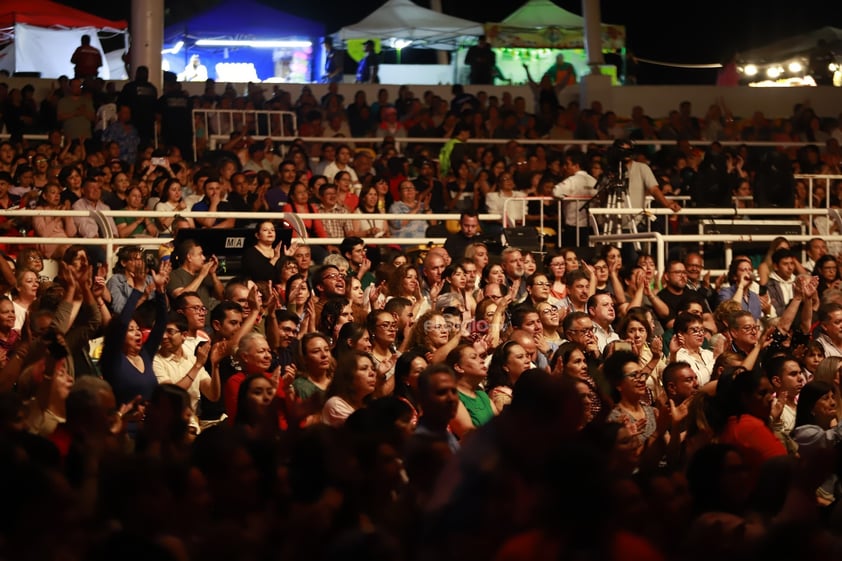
741, 278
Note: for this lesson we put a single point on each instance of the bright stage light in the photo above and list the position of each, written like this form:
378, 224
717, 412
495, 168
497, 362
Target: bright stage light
751, 70
795, 67
256, 44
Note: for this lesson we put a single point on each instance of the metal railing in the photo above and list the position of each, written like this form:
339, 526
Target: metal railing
218, 124
110, 241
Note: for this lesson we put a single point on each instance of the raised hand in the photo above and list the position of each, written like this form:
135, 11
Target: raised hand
161, 277
290, 251
219, 351
202, 353
657, 346
778, 405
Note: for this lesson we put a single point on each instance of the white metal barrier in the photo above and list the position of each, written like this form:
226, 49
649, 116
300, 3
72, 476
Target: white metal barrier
218, 124
110, 241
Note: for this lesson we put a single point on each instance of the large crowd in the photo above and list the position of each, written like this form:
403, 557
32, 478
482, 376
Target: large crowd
472, 400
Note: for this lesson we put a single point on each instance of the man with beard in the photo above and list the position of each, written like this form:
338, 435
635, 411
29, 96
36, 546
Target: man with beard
675, 291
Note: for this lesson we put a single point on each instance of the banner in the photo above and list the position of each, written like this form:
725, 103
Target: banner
551, 37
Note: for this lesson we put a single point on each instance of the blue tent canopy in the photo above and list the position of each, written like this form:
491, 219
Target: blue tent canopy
243, 18
245, 21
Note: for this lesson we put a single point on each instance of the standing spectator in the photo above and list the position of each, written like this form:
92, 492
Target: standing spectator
125, 134
142, 97
76, 113
367, 70
333, 63
482, 61
175, 116
86, 59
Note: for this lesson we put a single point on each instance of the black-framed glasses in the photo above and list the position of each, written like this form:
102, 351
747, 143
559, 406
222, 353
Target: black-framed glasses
332, 276
197, 308
585, 330
636, 376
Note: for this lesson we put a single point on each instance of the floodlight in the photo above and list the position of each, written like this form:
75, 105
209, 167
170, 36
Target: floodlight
256, 44
750, 70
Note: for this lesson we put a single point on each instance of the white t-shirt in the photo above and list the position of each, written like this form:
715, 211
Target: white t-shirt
172, 369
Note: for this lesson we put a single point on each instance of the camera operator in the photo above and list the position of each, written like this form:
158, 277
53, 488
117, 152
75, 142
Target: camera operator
641, 180
577, 182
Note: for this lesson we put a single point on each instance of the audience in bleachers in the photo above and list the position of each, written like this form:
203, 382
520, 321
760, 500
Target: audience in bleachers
472, 400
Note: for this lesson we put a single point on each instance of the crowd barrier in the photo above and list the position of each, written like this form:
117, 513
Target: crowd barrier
110, 241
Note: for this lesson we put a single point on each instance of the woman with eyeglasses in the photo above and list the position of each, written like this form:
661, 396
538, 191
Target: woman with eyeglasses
475, 407
628, 385
636, 330
550, 320
555, 270
383, 327
690, 334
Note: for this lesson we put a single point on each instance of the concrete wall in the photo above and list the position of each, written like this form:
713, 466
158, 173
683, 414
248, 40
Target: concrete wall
656, 101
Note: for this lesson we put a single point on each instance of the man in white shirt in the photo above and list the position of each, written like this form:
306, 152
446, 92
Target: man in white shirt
577, 183
172, 365
601, 310
782, 280
341, 163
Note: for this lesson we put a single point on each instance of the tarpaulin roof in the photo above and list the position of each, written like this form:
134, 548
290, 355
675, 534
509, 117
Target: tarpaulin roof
241, 19
402, 19
541, 13
44, 13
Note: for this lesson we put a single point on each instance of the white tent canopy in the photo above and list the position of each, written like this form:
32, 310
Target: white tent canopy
541, 13
402, 19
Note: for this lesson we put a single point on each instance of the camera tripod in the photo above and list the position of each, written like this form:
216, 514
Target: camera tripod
615, 195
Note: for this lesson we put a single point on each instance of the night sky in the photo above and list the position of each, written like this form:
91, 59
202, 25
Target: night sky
678, 32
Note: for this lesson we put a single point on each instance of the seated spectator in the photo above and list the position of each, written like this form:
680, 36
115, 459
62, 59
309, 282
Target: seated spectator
409, 204
353, 382
213, 202
52, 225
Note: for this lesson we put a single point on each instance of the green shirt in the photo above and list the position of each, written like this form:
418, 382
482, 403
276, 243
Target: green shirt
479, 407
